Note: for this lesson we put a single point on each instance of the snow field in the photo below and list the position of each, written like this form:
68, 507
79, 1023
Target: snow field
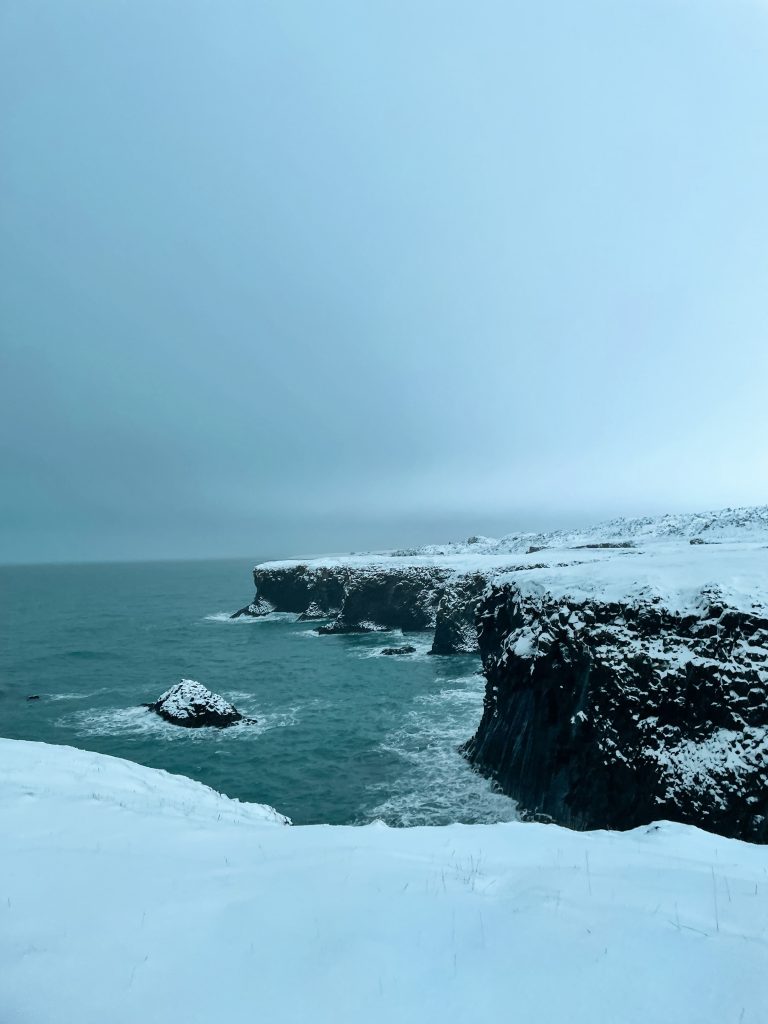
130, 895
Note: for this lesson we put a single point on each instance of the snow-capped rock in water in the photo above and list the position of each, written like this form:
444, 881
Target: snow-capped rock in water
128, 894
192, 705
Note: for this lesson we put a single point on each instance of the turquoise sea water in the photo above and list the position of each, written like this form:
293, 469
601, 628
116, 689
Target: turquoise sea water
344, 735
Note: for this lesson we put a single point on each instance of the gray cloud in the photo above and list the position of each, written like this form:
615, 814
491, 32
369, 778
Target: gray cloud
281, 278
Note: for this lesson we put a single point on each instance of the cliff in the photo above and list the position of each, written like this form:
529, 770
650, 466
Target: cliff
437, 587
626, 665
631, 690
379, 592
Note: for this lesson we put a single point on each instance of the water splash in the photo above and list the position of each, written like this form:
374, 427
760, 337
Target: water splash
437, 786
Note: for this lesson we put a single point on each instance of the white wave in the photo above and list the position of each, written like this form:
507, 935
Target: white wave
138, 721
272, 617
115, 721
464, 697
376, 643
437, 785
65, 696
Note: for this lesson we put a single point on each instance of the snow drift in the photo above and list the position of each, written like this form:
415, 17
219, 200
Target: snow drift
129, 895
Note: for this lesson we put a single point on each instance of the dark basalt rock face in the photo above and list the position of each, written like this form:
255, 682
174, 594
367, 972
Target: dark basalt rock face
404, 599
294, 587
606, 715
358, 599
455, 629
397, 651
257, 609
365, 599
456, 617
192, 705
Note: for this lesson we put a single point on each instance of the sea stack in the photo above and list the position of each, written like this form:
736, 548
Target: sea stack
192, 705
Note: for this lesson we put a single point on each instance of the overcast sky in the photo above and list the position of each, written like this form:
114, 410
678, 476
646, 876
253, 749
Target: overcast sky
280, 278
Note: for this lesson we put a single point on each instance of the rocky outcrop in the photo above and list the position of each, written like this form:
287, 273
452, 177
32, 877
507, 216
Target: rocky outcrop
192, 705
404, 599
294, 586
312, 613
363, 599
257, 609
399, 651
368, 598
605, 714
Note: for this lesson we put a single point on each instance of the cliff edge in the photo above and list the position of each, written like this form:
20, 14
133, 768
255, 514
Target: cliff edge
626, 664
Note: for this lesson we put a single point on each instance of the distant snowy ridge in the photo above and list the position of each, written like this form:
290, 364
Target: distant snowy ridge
130, 895
749, 522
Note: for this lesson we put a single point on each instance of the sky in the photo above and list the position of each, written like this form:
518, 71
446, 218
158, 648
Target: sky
285, 278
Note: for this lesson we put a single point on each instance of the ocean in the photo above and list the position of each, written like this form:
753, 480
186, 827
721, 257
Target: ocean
344, 735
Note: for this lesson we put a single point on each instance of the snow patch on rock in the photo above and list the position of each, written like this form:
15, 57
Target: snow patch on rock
193, 705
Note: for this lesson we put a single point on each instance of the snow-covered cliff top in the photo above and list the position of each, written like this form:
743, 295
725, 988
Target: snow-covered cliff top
672, 557
680, 576
127, 894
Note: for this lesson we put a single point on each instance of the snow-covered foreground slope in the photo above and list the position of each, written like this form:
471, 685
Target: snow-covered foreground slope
129, 895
